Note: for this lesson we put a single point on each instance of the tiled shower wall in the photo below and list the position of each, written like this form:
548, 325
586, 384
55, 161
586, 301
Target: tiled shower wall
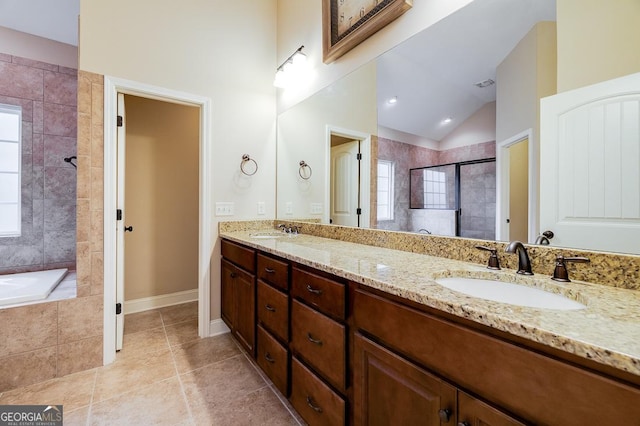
47, 94
47, 340
407, 156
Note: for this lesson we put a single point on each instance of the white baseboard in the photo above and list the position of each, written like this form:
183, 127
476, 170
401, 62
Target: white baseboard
154, 302
217, 327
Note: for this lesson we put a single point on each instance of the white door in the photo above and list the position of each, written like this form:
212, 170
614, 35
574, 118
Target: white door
345, 176
590, 166
120, 223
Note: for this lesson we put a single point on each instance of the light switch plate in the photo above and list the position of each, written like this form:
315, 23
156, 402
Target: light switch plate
288, 208
316, 208
261, 208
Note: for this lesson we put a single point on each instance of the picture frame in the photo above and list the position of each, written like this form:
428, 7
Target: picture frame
347, 23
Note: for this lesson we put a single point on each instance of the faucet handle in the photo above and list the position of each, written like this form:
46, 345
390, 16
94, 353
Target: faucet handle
560, 272
494, 263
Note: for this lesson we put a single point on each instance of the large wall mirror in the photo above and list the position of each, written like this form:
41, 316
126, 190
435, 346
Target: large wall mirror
430, 101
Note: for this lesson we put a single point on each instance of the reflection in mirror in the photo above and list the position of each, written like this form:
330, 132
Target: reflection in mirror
414, 87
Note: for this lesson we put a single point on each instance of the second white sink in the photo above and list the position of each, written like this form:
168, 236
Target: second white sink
514, 294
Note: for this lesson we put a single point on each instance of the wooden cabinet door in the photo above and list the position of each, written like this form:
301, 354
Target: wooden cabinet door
473, 412
388, 390
227, 293
245, 307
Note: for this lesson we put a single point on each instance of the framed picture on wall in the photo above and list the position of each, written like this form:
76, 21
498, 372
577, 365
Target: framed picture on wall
347, 23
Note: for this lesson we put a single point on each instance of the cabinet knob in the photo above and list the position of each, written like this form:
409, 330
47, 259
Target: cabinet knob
463, 424
233, 275
445, 415
311, 403
312, 340
313, 290
269, 308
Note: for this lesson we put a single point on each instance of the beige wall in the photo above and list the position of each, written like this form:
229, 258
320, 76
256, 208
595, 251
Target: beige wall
162, 144
17, 43
519, 191
597, 40
479, 128
221, 50
526, 75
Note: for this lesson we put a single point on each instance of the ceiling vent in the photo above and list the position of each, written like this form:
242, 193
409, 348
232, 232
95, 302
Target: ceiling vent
485, 83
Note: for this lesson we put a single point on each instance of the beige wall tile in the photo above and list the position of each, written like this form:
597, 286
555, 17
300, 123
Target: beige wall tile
97, 188
79, 318
83, 290
97, 273
84, 134
27, 328
84, 177
97, 104
27, 368
97, 231
83, 220
80, 355
97, 145
84, 94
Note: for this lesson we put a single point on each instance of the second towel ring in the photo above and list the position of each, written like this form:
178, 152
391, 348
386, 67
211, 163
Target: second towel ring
246, 159
304, 165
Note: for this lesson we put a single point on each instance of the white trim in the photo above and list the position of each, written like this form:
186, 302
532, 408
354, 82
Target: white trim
161, 301
502, 176
365, 172
112, 86
217, 327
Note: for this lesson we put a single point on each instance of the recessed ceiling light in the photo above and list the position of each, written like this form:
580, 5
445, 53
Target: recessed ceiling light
447, 120
485, 83
392, 100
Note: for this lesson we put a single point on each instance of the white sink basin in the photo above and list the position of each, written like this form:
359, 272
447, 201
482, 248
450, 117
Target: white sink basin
514, 294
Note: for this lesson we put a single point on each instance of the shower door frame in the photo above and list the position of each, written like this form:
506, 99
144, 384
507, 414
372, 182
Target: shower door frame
113, 86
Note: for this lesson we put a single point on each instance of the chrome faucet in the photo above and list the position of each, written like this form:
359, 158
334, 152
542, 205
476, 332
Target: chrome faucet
524, 264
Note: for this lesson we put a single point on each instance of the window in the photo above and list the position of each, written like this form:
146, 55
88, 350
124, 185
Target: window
10, 160
435, 189
385, 190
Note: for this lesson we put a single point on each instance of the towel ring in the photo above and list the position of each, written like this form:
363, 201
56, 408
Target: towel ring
304, 165
246, 159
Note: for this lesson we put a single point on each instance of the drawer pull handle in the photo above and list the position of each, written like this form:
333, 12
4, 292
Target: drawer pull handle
267, 356
313, 290
445, 415
269, 270
311, 403
312, 340
269, 308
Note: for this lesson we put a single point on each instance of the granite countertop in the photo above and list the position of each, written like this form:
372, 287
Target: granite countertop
607, 331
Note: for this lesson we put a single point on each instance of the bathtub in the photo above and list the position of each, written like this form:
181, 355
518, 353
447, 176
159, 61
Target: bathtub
29, 286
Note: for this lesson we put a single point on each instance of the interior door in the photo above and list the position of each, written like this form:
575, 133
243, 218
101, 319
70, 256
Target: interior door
345, 184
590, 166
120, 222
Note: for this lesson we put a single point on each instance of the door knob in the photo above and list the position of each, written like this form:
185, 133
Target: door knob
128, 229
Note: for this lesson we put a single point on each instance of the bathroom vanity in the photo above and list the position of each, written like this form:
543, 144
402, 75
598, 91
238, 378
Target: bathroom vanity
356, 334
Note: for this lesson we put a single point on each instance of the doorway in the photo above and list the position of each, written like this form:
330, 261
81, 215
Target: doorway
160, 212
517, 190
349, 178
114, 228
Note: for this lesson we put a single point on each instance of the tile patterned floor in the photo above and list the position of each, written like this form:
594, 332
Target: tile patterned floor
166, 375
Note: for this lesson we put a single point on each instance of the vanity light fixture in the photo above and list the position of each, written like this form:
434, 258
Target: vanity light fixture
289, 68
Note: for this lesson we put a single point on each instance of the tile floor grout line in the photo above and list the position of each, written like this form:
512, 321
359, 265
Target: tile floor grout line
175, 367
93, 391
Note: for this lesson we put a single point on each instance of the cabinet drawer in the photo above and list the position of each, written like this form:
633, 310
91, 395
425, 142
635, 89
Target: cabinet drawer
240, 255
273, 358
273, 310
325, 294
510, 376
273, 271
320, 341
315, 401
